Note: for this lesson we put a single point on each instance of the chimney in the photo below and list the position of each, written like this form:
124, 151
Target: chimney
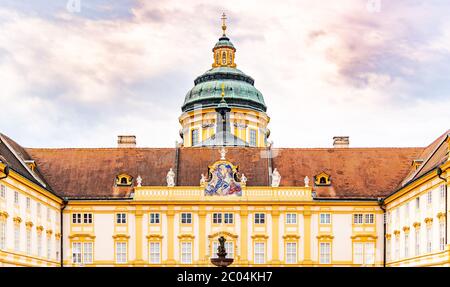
126, 141
341, 142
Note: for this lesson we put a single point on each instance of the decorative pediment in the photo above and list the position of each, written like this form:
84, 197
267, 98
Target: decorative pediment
222, 233
222, 179
322, 179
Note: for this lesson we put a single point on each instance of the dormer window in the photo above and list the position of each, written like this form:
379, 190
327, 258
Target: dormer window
417, 163
123, 179
322, 179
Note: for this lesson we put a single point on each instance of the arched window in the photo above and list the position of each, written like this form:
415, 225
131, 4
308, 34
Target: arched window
323, 180
123, 180
217, 58
230, 58
224, 58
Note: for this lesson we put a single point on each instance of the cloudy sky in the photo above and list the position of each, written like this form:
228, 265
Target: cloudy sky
377, 71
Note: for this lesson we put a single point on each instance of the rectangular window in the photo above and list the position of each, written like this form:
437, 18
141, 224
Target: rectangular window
369, 253
442, 196
76, 218
194, 137
260, 218
291, 218
154, 218
357, 218
229, 247
325, 218
28, 203
388, 250
87, 218
186, 218
291, 252
16, 237
16, 197
76, 252
397, 216
155, 252
417, 203
228, 218
252, 137
407, 211
186, 252
2, 191
417, 242
121, 252
48, 214
397, 248
2, 234
49, 247
28, 241
429, 239
214, 249
57, 249
441, 236
39, 244
430, 197
369, 218
259, 253
406, 245
358, 253
121, 218
217, 218
325, 252
38, 209
87, 252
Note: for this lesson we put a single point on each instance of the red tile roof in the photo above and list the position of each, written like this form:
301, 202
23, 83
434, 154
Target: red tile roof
355, 172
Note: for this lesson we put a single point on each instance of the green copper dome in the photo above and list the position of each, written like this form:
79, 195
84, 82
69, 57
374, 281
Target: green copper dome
224, 42
239, 90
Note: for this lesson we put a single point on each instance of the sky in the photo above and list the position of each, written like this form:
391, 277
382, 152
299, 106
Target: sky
77, 73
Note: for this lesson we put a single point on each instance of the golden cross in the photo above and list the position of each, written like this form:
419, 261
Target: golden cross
224, 25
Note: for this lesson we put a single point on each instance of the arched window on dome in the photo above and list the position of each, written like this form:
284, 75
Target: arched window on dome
230, 58
224, 58
217, 58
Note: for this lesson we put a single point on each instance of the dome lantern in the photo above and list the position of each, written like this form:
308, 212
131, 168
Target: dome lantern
224, 50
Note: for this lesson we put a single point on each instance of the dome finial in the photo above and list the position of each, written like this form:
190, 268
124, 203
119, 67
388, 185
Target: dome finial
224, 25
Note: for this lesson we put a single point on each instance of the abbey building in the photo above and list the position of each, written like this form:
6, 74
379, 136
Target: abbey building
130, 206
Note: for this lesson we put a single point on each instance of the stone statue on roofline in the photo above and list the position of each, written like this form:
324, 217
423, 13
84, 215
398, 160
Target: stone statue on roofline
276, 178
243, 180
170, 178
139, 181
202, 180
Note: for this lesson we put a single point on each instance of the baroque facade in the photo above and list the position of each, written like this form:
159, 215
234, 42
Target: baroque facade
130, 206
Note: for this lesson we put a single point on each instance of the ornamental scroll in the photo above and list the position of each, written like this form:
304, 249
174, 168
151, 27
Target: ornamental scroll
222, 179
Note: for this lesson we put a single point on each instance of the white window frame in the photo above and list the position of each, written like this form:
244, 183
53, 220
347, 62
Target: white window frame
155, 252
429, 238
121, 218
369, 218
155, 218
28, 239
406, 245
253, 137
291, 218
325, 252
325, 218
429, 197
2, 234
16, 197
16, 237
76, 253
121, 252
417, 242
39, 244
186, 218
49, 247
195, 136
88, 252
28, 203
76, 218
186, 252
358, 218
87, 218
217, 218
291, 252
228, 218
442, 236
259, 256
3, 191
260, 218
